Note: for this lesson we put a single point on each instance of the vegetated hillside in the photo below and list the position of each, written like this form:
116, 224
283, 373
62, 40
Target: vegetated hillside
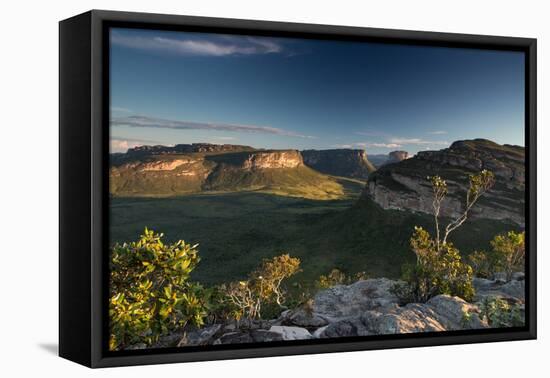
160, 171
237, 230
404, 186
339, 162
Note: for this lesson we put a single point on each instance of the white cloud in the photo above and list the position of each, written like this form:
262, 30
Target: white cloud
221, 46
367, 145
418, 142
385, 145
118, 144
120, 110
437, 132
152, 122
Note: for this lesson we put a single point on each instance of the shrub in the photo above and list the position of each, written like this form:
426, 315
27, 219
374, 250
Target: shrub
150, 292
499, 313
337, 277
439, 267
507, 255
437, 271
263, 287
509, 252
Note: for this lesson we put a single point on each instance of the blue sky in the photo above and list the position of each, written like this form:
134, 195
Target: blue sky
176, 87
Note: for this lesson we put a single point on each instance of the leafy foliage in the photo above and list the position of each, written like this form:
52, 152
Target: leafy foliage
437, 271
509, 252
499, 313
439, 267
264, 286
149, 290
337, 277
507, 255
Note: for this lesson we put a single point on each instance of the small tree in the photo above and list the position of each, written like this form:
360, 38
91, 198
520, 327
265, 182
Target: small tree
439, 268
509, 252
150, 292
479, 184
264, 286
507, 255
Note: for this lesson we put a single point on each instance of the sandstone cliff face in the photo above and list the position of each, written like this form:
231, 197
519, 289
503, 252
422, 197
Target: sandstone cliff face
272, 160
339, 162
404, 186
166, 174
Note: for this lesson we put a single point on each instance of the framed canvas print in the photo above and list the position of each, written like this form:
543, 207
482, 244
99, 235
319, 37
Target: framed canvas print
233, 188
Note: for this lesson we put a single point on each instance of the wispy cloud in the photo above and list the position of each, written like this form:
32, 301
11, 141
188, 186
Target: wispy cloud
371, 133
121, 144
152, 122
385, 145
193, 44
120, 109
368, 145
418, 142
438, 132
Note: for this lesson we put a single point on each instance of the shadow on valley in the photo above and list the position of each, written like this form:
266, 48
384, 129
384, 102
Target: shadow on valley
236, 230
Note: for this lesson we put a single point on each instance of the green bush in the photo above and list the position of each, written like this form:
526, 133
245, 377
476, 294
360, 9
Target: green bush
499, 313
507, 255
263, 288
439, 268
437, 271
509, 252
150, 292
337, 277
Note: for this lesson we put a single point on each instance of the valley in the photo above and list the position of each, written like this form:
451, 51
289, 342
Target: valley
242, 205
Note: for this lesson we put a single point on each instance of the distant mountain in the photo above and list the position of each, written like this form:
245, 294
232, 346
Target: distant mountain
379, 160
397, 156
340, 162
198, 168
404, 186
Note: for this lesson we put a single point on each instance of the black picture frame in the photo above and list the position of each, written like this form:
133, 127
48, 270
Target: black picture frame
83, 195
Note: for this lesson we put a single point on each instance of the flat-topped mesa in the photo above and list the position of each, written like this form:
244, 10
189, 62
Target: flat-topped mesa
397, 156
187, 148
339, 162
404, 185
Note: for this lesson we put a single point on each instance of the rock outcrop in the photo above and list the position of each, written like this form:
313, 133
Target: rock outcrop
339, 162
404, 186
364, 308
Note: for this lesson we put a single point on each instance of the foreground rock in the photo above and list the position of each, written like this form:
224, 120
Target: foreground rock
363, 308
512, 291
343, 301
441, 313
